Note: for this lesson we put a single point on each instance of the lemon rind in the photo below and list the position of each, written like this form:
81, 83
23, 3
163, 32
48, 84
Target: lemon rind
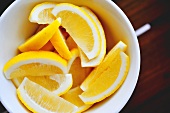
119, 81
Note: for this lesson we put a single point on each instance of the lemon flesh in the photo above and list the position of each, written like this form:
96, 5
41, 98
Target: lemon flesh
120, 46
58, 84
59, 44
41, 13
109, 81
39, 100
35, 63
38, 40
85, 62
78, 72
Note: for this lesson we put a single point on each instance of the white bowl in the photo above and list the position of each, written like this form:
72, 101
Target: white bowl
15, 28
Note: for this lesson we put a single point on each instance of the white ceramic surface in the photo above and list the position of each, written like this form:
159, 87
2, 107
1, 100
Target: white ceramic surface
15, 28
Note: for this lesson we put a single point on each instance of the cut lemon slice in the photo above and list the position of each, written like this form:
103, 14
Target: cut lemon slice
35, 63
41, 13
38, 40
74, 67
80, 27
120, 46
58, 84
85, 62
109, 80
58, 41
39, 100
48, 46
73, 96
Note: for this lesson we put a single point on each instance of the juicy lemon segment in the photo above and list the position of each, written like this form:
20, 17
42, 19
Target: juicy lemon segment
81, 28
39, 100
109, 80
60, 45
44, 81
58, 84
38, 40
120, 46
73, 96
41, 13
74, 67
35, 63
85, 62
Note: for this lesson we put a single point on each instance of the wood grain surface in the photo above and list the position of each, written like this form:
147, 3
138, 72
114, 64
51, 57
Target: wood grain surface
152, 93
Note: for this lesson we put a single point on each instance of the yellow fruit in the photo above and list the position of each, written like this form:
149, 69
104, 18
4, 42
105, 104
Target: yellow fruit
58, 41
80, 27
70, 43
120, 46
74, 67
73, 97
35, 63
48, 46
41, 13
39, 100
109, 80
58, 84
38, 40
85, 62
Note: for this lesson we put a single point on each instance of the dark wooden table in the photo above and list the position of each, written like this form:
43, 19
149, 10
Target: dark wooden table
152, 93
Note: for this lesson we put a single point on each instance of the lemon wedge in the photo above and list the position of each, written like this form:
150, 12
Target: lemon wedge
48, 46
39, 100
110, 79
35, 63
58, 84
38, 40
59, 43
41, 13
85, 62
80, 27
120, 46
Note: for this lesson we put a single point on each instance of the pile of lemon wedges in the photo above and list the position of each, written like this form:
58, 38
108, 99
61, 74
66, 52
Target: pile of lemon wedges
64, 67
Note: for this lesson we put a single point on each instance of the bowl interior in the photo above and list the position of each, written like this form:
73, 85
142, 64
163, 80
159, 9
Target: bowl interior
16, 28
